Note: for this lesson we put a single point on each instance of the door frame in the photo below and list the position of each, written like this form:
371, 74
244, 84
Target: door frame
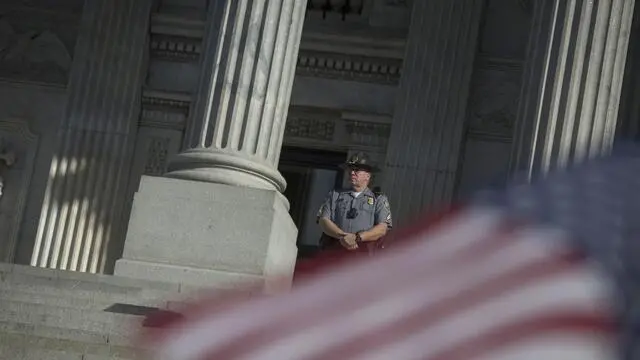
305, 160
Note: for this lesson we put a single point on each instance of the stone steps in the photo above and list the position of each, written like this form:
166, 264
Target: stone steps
31, 347
50, 314
64, 300
40, 330
68, 318
90, 287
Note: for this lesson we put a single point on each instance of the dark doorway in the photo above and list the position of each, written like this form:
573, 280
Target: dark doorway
310, 174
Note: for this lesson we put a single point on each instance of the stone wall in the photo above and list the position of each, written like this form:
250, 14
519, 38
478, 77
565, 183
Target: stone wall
37, 40
29, 117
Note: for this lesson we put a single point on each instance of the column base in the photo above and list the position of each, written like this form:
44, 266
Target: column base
208, 235
225, 167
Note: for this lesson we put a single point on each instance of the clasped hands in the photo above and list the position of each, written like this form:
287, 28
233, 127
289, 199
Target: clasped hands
349, 241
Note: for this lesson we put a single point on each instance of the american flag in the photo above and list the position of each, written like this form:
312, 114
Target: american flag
521, 274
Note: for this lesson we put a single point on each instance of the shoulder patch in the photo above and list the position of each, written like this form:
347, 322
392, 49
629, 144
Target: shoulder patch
369, 200
386, 205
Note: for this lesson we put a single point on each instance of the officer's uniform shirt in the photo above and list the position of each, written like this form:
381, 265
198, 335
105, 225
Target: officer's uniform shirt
370, 210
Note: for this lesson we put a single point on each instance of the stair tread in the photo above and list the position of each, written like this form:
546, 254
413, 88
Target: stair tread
85, 300
69, 318
21, 343
64, 333
46, 276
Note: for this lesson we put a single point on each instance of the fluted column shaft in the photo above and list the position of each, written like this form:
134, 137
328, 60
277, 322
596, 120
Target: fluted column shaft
628, 127
427, 128
237, 123
572, 82
81, 213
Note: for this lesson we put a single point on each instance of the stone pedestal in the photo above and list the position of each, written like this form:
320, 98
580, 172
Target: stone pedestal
200, 234
572, 82
428, 123
223, 216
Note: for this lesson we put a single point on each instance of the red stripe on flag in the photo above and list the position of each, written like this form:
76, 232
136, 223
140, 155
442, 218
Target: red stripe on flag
475, 276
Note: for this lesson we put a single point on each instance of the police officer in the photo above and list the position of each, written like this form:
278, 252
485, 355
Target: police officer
354, 217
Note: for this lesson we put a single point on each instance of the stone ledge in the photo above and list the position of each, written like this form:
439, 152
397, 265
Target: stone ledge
15, 271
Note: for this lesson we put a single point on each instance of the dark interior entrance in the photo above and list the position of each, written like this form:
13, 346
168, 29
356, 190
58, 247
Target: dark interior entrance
310, 174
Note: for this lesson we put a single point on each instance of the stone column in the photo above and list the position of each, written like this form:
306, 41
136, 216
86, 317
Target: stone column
219, 214
572, 82
84, 197
628, 127
236, 130
427, 127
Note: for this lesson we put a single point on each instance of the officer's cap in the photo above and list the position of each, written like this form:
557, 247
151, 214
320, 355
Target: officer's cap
360, 161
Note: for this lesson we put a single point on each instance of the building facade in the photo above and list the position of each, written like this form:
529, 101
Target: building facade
447, 97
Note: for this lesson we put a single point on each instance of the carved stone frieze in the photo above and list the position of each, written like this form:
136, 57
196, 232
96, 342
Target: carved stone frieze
166, 100
306, 126
349, 67
157, 156
493, 102
368, 133
180, 40
164, 110
163, 118
343, 7
175, 48
310, 63
309, 128
32, 55
313, 127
